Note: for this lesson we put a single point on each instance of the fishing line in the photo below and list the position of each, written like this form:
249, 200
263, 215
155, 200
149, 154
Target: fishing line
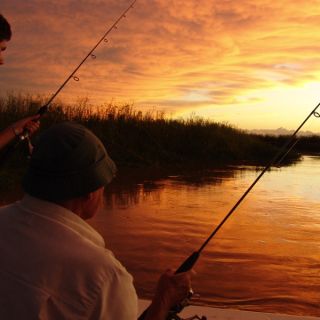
25, 134
193, 258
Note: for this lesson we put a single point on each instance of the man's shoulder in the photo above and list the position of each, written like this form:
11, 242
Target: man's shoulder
104, 263
6, 207
7, 210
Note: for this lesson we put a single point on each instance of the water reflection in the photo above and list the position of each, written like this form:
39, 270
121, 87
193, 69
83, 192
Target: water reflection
266, 258
127, 191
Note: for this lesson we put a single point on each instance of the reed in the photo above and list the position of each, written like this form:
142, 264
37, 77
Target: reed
136, 138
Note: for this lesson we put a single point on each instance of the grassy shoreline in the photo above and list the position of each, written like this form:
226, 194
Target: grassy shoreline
137, 139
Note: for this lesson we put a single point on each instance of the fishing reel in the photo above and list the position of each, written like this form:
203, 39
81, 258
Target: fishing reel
173, 314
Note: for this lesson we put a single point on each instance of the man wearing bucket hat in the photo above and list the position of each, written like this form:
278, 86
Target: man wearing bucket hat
53, 264
29, 123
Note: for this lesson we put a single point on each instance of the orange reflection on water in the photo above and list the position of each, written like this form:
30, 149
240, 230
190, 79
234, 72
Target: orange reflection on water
266, 257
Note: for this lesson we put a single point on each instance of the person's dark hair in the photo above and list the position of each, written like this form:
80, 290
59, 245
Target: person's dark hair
5, 29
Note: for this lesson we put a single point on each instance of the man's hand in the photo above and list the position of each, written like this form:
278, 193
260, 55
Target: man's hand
30, 123
171, 290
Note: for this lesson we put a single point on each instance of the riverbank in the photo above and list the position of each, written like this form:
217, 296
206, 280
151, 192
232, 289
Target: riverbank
139, 140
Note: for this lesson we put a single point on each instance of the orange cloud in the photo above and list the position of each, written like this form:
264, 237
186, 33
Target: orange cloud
179, 55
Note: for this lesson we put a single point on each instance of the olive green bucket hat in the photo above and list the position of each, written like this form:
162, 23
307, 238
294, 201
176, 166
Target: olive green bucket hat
67, 162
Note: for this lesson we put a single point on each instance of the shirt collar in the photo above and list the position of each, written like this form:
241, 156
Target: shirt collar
56, 213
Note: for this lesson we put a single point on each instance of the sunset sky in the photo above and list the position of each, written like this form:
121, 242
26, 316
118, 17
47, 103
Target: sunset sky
254, 64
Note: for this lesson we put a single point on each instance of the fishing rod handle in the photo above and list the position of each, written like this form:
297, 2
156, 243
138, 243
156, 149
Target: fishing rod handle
13, 145
23, 136
25, 133
43, 110
187, 265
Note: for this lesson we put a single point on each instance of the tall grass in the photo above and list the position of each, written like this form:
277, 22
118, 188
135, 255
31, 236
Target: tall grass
136, 138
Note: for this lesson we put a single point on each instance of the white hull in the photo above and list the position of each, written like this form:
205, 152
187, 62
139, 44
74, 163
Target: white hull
229, 314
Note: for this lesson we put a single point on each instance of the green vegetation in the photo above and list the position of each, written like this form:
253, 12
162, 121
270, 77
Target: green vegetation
138, 139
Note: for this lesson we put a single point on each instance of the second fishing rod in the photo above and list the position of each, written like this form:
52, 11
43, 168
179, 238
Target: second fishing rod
189, 263
24, 136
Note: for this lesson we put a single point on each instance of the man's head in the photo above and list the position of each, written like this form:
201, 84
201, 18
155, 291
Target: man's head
68, 162
5, 35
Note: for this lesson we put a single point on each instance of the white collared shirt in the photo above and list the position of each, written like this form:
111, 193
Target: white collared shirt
53, 265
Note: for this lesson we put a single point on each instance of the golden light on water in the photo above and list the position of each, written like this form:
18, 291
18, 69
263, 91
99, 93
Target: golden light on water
266, 256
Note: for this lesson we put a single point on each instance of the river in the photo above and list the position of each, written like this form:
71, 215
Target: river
266, 257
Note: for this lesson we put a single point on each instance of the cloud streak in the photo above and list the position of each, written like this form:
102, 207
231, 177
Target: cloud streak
180, 55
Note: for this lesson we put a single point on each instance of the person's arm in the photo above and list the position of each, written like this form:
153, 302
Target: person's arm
8, 134
171, 290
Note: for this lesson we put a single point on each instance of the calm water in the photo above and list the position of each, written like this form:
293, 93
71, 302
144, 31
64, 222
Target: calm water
267, 256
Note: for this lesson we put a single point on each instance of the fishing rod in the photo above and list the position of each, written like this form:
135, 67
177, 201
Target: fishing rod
188, 264
278, 164
45, 108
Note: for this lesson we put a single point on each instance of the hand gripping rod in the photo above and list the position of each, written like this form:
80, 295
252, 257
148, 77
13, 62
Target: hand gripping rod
192, 259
